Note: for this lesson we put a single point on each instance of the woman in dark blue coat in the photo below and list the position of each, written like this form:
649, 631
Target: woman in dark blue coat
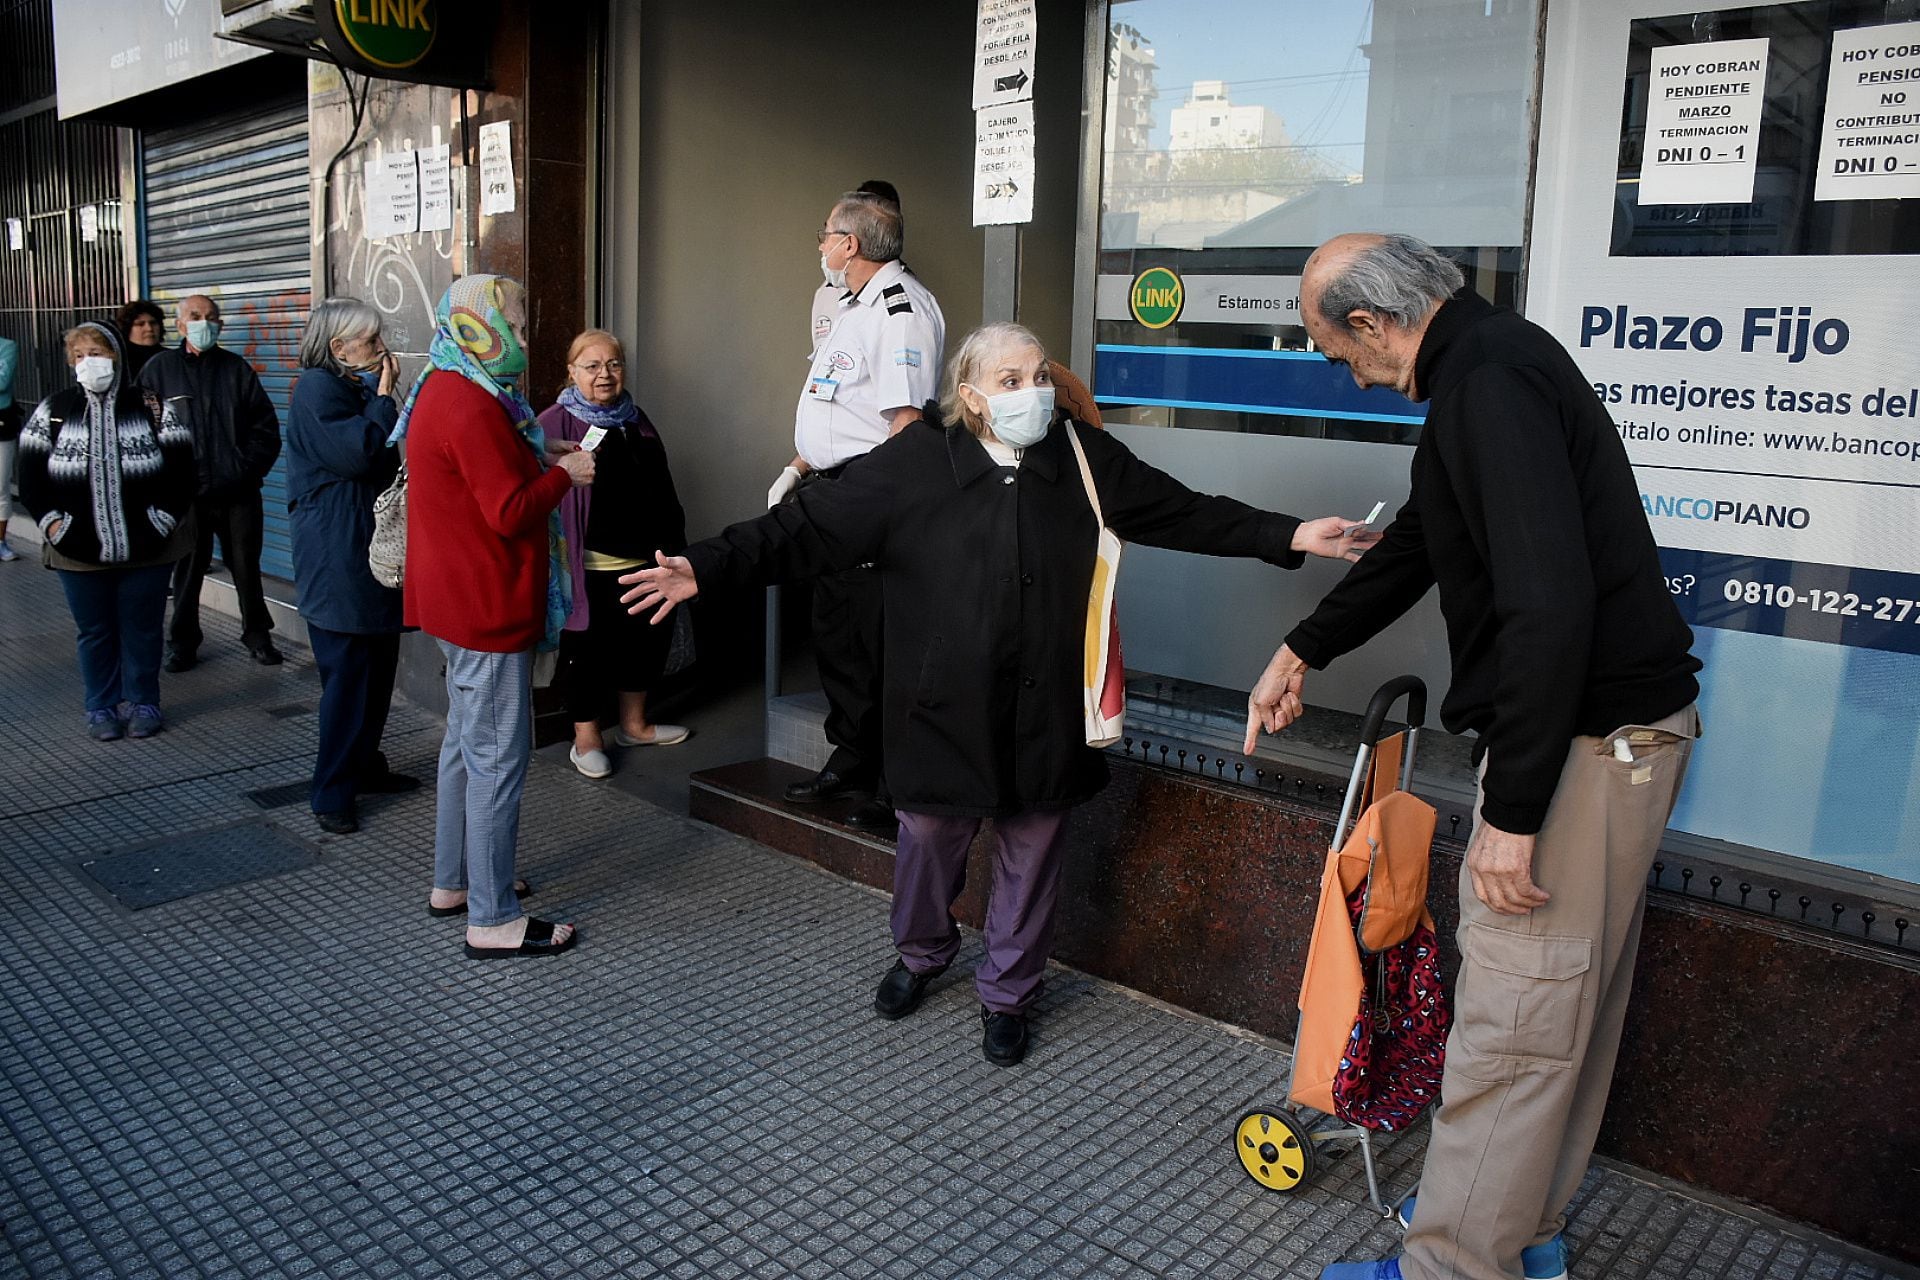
338, 462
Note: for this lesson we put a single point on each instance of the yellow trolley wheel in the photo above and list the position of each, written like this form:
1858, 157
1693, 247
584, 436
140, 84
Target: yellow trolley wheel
1275, 1150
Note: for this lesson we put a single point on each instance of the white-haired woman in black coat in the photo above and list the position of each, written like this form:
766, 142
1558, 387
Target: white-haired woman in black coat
985, 540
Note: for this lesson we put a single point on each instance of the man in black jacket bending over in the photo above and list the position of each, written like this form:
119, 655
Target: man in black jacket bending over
1571, 664
236, 437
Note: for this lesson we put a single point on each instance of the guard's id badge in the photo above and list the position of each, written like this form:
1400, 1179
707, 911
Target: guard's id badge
822, 386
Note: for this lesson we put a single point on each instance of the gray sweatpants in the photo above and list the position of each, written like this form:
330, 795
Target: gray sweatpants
1538, 1010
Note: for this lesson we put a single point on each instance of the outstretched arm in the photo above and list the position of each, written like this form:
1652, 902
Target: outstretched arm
1144, 504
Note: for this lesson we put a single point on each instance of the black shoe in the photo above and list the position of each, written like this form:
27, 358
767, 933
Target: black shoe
341, 822
1005, 1039
387, 783
871, 815
265, 654
179, 660
825, 785
902, 989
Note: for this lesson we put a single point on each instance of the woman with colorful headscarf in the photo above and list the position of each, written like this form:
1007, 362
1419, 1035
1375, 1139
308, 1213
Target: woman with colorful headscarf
487, 577
109, 475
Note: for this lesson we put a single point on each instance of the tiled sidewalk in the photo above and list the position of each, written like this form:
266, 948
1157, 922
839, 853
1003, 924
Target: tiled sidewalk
301, 1075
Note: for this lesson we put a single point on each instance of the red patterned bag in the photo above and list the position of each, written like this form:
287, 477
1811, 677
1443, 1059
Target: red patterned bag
1390, 1070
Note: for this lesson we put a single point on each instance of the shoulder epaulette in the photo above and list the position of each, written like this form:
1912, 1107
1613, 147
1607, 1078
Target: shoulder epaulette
897, 300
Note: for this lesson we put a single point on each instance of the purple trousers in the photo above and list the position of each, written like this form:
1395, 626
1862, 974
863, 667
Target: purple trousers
930, 870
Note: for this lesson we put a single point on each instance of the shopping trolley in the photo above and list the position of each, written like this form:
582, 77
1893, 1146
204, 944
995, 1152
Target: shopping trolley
1373, 894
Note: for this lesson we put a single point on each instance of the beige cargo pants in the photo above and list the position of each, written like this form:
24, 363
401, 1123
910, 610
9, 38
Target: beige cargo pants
1538, 1010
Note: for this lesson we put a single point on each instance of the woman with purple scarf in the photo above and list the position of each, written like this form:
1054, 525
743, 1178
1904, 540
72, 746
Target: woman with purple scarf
613, 526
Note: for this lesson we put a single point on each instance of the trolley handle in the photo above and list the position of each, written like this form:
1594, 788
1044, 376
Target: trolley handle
1415, 690
1389, 693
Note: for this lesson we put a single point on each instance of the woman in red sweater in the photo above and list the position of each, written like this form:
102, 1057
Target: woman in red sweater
483, 537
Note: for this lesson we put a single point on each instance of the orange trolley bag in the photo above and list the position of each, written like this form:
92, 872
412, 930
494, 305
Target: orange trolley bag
1371, 1037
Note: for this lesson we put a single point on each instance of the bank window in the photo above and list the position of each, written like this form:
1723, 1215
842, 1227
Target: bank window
1239, 134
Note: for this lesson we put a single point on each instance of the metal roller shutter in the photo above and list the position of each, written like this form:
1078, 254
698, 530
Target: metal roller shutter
226, 206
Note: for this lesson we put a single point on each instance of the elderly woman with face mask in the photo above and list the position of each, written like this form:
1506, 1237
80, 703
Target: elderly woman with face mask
612, 527
109, 475
338, 462
985, 540
486, 577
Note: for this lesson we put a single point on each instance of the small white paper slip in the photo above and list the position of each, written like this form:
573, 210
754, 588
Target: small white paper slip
496, 167
592, 439
1374, 514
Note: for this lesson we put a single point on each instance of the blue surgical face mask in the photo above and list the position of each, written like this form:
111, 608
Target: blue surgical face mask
370, 379
1020, 418
203, 335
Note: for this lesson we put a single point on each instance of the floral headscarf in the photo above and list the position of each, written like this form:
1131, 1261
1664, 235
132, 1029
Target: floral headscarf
472, 338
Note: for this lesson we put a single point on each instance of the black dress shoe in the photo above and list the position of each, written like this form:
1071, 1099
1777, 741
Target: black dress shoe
825, 785
341, 822
387, 783
265, 654
871, 815
1005, 1038
179, 660
902, 989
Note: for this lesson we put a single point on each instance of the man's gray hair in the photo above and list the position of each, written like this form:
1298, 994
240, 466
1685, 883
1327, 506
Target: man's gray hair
1399, 278
341, 317
876, 221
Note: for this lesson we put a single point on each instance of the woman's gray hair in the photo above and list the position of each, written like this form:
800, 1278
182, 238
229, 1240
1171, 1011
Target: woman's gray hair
339, 317
976, 355
875, 220
1397, 277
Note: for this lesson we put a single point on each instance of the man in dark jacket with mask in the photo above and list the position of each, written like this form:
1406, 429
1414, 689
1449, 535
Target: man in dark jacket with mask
236, 437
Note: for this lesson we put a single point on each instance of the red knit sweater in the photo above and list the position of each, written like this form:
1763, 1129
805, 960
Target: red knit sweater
477, 507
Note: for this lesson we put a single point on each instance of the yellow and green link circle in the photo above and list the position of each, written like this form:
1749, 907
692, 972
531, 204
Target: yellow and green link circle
388, 33
1156, 297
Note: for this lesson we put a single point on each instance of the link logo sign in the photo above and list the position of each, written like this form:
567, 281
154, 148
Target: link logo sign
1156, 297
388, 33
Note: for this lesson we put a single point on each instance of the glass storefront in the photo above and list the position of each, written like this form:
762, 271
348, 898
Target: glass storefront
1239, 134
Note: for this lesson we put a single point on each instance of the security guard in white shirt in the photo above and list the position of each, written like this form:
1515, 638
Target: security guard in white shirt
874, 366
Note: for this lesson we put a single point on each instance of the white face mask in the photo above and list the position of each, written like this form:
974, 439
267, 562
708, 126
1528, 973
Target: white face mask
1020, 418
94, 372
838, 279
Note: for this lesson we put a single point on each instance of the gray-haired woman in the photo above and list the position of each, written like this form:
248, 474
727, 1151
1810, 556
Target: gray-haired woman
985, 539
338, 461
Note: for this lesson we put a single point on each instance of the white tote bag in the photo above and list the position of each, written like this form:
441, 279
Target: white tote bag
1103, 679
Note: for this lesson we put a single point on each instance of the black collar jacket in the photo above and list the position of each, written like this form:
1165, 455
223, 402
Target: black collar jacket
1525, 512
985, 576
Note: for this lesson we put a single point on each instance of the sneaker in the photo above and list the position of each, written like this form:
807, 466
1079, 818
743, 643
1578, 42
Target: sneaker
592, 764
1544, 1261
104, 725
145, 721
664, 735
7, 554
1387, 1269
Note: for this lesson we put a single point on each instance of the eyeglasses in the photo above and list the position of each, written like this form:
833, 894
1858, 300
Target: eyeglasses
820, 237
593, 367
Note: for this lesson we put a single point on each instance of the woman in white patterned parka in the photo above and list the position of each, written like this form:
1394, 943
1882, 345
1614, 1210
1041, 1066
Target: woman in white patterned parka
108, 473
